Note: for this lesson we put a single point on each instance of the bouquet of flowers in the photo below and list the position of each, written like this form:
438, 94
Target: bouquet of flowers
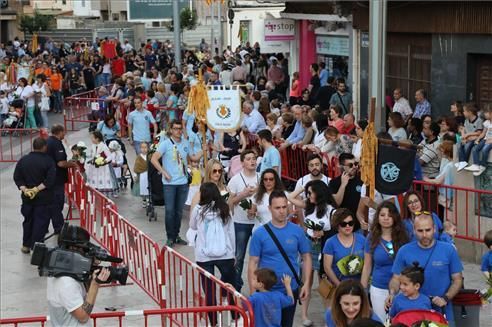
486, 294
100, 160
350, 265
315, 227
247, 204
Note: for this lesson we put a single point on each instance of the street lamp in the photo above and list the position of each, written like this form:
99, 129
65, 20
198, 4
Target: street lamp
230, 15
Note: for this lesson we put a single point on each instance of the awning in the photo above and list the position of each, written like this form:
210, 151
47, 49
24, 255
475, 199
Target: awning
321, 17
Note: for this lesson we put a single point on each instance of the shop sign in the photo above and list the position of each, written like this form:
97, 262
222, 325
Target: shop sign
332, 45
152, 10
274, 46
224, 113
279, 29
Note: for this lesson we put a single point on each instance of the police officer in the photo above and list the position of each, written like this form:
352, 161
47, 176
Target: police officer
56, 151
35, 176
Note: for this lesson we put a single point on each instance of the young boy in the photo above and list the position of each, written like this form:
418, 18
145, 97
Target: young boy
469, 133
449, 232
487, 257
267, 305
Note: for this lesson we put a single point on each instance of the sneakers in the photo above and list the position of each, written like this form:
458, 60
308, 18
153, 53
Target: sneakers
480, 170
473, 167
25, 250
170, 243
307, 323
180, 241
461, 165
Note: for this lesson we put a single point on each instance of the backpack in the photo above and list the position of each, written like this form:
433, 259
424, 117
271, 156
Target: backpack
215, 238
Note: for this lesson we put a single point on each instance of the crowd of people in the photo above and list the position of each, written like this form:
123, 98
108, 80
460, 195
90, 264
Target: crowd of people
373, 256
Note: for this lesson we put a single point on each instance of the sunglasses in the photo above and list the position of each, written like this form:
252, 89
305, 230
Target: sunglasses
419, 213
268, 179
350, 223
390, 248
217, 171
352, 164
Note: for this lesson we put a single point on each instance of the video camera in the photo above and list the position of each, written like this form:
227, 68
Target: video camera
75, 257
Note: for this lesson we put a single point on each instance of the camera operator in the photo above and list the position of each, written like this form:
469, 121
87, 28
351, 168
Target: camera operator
70, 302
34, 175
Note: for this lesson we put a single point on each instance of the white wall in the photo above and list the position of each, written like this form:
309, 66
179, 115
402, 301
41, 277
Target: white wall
84, 8
255, 16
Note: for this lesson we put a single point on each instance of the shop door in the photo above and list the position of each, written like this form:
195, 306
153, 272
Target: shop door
484, 81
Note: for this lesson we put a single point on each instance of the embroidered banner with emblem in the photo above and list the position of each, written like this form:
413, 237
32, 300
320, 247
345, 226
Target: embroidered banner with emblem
394, 169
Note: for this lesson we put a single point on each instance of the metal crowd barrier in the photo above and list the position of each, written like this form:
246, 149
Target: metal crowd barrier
16, 142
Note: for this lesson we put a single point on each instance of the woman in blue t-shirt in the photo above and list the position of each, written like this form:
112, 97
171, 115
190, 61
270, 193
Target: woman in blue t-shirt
414, 203
109, 128
172, 101
387, 236
343, 253
348, 304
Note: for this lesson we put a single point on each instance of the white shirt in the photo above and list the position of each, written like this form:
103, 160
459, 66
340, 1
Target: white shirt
357, 149
26, 93
64, 295
488, 126
403, 107
254, 122
4, 106
325, 219
236, 185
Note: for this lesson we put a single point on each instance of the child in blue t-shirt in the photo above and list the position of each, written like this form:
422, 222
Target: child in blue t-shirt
487, 257
448, 233
411, 279
267, 304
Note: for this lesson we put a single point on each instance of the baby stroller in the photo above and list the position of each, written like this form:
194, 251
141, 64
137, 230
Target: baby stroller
156, 191
15, 121
126, 173
410, 317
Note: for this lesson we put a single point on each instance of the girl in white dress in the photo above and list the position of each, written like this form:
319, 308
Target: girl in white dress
117, 160
98, 166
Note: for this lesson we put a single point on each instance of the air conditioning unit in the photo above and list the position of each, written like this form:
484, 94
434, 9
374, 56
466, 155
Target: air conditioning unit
4, 3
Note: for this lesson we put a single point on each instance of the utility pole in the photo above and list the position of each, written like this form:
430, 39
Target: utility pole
377, 56
219, 21
212, 32
177, 35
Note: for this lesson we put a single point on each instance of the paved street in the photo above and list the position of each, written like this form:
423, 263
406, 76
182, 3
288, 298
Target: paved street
23, 291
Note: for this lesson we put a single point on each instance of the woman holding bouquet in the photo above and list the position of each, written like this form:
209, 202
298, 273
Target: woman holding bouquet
318, 209
98, 169
343, 253
387, 235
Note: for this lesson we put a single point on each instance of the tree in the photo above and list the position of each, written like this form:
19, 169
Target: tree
35, 23
188, 21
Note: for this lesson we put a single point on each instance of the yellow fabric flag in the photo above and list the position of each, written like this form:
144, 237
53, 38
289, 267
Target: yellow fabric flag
34, 43
198, 101
368, 158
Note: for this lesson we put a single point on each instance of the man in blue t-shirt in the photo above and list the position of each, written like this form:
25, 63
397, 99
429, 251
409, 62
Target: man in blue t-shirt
271, 156
175, 152
442, 267
264, 253
139, 122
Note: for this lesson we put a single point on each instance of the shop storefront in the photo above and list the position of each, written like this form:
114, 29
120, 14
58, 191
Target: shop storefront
333, 50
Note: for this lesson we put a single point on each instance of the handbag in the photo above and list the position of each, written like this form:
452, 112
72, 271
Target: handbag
326, 289
284, 255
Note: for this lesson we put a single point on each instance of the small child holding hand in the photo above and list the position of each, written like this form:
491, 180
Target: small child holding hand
449, 232
486, 267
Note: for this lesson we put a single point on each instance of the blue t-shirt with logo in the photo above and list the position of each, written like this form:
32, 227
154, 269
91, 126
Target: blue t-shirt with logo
140, 121
271, 158
108, 133
330, 323
487, 262
439, 262
294, 242
382, 262
175, 164
189, 119
267, 307
336, 249
402, 303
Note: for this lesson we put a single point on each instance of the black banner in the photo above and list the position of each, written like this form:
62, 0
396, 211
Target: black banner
394, 169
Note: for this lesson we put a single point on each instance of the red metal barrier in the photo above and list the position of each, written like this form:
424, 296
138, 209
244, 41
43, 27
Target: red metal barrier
140, 253
146, 315
464, 206
15, 143
184, 286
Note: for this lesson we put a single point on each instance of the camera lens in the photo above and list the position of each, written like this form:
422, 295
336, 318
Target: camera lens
119, 274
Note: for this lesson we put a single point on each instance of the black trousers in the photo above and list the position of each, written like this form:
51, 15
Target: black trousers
36, 222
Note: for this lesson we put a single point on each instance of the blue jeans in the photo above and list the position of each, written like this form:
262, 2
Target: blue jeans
57, 103
484, 149
227, 275
243, 234
464, 150
44, 115
36, 222
106, 79
174, 199
136, 146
